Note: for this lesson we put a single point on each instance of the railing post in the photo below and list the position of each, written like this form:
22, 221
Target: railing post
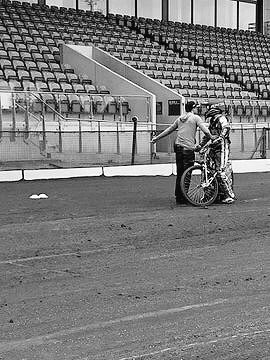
13, 128
134, 139
117, 139
242, 139
121, 108
26, 133
80, 137
148, 109
60, 140
263, 144
91, 114
99, 138
43, 134
255, 136
151, 144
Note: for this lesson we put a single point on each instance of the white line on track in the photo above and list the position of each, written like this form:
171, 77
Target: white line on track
39, 340
85, 252
197, 344
46, 270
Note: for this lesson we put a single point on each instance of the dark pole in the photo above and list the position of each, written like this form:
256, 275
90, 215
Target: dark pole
165, 10
259, 16
238, 15
192, 12
136, 8
77, 5
215, 18
107, 7
134, 140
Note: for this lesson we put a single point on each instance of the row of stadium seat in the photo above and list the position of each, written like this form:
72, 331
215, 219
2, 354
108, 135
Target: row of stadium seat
94, 104
34, 33
238, 56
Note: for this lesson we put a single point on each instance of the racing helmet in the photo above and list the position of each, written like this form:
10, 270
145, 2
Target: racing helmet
213, 111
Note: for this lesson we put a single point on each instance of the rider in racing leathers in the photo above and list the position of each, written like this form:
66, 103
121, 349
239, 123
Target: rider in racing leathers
219, 150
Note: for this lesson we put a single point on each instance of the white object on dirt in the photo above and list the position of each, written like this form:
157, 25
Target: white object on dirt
34, 197
43, 196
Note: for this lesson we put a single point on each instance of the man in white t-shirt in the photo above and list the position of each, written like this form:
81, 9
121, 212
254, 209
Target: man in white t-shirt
185, 143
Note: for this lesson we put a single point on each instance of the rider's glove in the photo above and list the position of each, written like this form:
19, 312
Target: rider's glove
197, 148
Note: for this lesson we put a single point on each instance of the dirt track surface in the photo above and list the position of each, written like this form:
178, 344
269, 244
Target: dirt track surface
110, 269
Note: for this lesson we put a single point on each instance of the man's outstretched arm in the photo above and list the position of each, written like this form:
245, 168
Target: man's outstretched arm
164, 133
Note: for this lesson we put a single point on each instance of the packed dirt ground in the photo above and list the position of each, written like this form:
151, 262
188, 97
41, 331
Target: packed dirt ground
112, 269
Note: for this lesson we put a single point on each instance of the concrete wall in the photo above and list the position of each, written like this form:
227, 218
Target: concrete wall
141, 101
162, 93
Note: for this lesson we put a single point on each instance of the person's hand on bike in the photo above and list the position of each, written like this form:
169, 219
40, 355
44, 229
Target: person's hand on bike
198, 148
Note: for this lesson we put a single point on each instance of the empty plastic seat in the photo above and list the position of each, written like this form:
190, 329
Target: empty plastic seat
91, 89
4, 85
78, 88
10, 74
54, 87
55, 67
99, 105
48, 76
84, 79
103, 90
50, 102
26, 56
41, 86
63, 103
66, 87
111, 104
28, 85
75, 103
15, 85
73, 78
19, 65
5, 64
43, 67
23, 75
66, 68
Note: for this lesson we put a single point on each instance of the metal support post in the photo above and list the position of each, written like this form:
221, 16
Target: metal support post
26, 133
43, 134
242, 139
60, 140
134, 140
99, 139
80, 137
117, 139
13, 128
263, 144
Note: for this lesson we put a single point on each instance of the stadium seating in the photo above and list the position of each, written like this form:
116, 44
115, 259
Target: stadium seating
196, 61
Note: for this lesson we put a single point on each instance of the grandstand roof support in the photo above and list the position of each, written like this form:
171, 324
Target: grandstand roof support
259, 16
165, 10
136, 8
107, 7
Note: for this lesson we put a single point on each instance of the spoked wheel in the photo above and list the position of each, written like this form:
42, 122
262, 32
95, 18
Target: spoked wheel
195, 189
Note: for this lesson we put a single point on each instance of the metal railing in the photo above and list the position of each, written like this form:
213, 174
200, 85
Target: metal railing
36, 131
115, 146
